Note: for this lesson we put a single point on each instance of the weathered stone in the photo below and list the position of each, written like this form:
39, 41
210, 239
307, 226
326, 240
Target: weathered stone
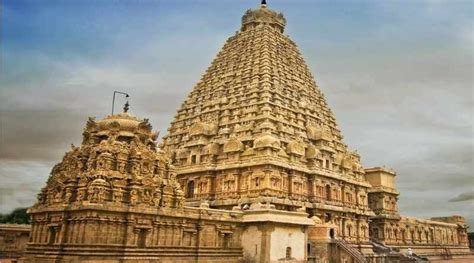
255, 139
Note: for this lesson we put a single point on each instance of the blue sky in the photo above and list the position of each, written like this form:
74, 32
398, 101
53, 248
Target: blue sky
397, 74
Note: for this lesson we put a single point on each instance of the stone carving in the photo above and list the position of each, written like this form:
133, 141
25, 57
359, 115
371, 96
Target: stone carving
233, 145
267, 141
120, 153
296, 148
263, 15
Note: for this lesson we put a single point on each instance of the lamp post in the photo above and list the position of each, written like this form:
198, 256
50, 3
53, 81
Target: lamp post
113, 99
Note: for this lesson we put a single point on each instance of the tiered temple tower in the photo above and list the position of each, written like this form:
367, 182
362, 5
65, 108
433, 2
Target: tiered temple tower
257, 129
115, 198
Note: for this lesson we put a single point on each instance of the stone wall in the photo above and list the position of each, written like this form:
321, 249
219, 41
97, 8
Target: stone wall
275, 236
144, 235
425, 237
13, 240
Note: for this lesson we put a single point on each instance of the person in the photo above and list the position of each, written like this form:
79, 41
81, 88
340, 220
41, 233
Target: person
409, 252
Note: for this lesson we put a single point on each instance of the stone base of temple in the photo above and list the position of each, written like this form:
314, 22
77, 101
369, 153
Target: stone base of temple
153, 235
400, 258
178, 257
108, 254
436, 251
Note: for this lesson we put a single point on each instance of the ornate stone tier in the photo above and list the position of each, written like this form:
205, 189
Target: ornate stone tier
263, 16
256, 128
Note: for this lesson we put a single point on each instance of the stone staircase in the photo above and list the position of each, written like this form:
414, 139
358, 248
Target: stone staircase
357, 256
380, 248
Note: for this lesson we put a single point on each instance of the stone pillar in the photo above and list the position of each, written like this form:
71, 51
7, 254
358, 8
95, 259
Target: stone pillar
136, 233
34, 232
357, 197
266, 231
70, 231
220, 240
158, 233
310, 187
199, 228
106, 232
80, 230
130, 235
152, 234
166, 237
237, 181
343, 227
290, 182
358, 230
173, 235
42, 234
212, 185
148, 237
181, 235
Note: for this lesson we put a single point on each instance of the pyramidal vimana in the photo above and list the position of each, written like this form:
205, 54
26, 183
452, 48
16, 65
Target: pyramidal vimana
253, 169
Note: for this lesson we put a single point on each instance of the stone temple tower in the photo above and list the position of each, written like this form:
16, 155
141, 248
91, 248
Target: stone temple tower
256, 139
257, 129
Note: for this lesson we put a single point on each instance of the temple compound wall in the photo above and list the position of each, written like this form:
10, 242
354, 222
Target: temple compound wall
438, 237
424, 237
13, 240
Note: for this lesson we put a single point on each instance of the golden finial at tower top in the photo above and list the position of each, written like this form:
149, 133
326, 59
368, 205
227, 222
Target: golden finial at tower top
264, 3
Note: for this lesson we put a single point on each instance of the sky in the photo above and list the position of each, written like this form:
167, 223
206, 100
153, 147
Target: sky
397, 74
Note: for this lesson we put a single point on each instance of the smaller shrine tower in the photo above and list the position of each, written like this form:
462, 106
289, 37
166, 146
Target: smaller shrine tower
116, 198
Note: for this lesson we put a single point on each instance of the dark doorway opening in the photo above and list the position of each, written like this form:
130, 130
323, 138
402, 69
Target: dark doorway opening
328, 193
332, 233
190, 190
227, 241
288, 252
142, 238
52, 235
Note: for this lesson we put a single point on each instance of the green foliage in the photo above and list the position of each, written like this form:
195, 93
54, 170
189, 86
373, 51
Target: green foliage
18, 216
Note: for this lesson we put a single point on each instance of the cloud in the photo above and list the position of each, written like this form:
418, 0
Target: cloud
21, 181
463, 197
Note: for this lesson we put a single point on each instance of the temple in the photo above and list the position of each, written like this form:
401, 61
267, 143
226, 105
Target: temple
253, 169
257, 129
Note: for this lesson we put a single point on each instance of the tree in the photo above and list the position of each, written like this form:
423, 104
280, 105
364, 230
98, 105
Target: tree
18, 216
